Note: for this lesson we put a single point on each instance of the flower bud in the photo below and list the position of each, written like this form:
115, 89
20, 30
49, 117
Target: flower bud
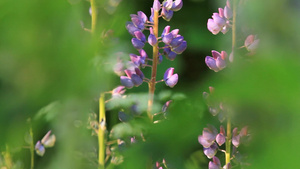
166, 105
156, 5
165, 31
152, 40
171, 55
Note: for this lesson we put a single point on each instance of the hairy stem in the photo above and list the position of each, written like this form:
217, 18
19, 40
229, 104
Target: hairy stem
94, 15
154, 68
101, 131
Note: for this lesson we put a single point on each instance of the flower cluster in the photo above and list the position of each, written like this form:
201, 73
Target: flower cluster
220, 21
173, 44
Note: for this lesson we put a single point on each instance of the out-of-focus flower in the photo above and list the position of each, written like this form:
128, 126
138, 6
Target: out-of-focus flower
251, 43
39, 149
133, 78
211, 151
48, 140
215, 164
118, 91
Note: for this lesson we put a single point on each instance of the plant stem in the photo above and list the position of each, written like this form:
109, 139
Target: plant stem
101, 131
31, 148
228, 140
93, 15
154, 68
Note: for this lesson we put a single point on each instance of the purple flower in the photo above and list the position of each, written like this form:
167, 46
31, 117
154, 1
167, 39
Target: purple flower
251, 43
211, 151
235, 137
156, 5
168, 4
170, 78
118, 91
179, 49
176, 41
167, 38
177, 5
169, 54
166, 14
220, 138
48, 140
39, 148
138, 44
140, 36
208, 136
131, 28
220, 21
215, 164
217, 62
133, 78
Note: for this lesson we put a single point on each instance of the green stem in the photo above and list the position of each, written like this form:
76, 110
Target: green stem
94, 15
229, 135
31, 148
152, 81
101, 131
228, 142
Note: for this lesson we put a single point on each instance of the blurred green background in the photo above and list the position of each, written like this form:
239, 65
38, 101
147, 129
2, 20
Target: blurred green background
52, 72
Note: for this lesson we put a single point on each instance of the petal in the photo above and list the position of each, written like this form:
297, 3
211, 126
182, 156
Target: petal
167, 39
126, 81
137, 43
221, 64
176, 41
204, 142
171, 55
172, 81
220, 139
140, 36
136, 80
169, 72
211, 63
177, 5
179, 49
213, 27
227, 12
166, 14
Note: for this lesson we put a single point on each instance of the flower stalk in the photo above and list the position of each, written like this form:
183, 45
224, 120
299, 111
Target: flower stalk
154, 67
101, 131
